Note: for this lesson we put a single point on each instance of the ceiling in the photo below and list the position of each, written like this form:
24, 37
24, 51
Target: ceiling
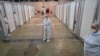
28, 0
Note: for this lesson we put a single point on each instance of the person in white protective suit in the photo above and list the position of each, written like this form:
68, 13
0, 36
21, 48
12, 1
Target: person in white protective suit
6, 24
92, 42
47, 29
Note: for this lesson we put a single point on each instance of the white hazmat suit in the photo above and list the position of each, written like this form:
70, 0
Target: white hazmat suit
92, 45
47, 29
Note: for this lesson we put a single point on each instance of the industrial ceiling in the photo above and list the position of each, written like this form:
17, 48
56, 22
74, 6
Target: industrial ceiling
28, 0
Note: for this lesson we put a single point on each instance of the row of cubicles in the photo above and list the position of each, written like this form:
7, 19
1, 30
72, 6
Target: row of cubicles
13, 15
78, 15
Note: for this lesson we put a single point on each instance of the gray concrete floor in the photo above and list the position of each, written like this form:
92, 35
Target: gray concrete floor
27, 40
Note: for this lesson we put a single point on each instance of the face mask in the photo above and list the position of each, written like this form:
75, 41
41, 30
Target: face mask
93, 30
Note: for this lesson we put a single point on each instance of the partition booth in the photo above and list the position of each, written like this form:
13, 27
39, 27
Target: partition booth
13, 15
79, 15
3, 30
88, 16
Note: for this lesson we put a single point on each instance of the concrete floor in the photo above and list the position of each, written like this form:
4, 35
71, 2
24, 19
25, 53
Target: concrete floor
27, 40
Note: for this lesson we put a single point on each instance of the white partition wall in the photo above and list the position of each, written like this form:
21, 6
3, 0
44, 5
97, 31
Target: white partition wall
23, 13
13, 15
16, 15
3, 31
78, 17
20, 14
65, 13
96, 18
60, 12
26, 12
72, 13
31, 11
9, 12
63, 9
56, 11
3, 28
88, 14
98, 11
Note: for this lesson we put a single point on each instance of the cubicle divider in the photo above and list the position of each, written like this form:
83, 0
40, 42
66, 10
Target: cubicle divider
72, 14
88, 16
3, 29
20, 14
13, 15
78, 15
31, 11
23, 13
65, 10
26, 12
9, 13
16, 14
